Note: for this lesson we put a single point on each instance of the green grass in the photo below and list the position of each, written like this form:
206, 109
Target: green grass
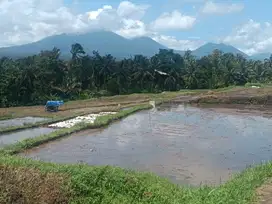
99, 122
254, 84
6, 117
114, 185
226, 89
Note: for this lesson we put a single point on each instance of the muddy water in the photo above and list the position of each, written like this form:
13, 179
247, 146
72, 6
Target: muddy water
20, 121
188, 145
11, 138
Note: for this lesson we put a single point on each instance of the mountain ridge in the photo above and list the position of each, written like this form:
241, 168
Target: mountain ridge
209, 47
106, 42
260, 56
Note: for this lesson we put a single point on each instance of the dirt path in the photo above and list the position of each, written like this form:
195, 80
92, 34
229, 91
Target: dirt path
260, 96
183, 99
265, 193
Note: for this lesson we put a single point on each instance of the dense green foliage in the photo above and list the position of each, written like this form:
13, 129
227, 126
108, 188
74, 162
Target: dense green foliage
34, 79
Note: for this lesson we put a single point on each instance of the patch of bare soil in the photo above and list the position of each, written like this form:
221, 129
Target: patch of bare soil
183, 99
30, 186
265, 193
260, 96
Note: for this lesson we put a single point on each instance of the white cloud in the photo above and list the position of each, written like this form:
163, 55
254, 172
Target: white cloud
174, 21
105, 18
221, 8
94, 14
24, 21
173, 43
133, 28
251, 37
129, 10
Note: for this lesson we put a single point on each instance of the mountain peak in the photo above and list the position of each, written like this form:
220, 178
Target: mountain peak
208, 48
105, 42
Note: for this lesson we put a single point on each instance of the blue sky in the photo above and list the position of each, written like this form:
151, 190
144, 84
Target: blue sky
208, 27
178, 24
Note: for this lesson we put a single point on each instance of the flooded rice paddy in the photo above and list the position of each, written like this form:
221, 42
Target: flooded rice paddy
11, 138
20, 121
188, 145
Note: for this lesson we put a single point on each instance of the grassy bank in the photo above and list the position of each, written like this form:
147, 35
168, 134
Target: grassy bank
5, 117
79, 106
237, 95
247, 100
72, 107
99, 122
86, 184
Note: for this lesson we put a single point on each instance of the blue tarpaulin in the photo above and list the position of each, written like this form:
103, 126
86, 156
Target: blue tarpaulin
53, 105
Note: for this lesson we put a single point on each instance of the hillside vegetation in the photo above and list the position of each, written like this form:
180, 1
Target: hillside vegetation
34, 79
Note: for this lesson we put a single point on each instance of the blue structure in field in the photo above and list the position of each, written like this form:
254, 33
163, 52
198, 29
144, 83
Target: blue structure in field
53, 105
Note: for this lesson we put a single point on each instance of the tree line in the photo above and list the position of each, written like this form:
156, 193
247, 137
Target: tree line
46, 76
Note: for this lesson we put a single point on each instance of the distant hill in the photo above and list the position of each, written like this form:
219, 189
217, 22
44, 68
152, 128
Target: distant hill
102, 41
210, 47
110, 43
260, 56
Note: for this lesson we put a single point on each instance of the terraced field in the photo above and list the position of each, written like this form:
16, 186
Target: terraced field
195, 138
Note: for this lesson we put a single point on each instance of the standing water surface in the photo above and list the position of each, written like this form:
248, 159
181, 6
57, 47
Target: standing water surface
20, 121
11, 138
188, 145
